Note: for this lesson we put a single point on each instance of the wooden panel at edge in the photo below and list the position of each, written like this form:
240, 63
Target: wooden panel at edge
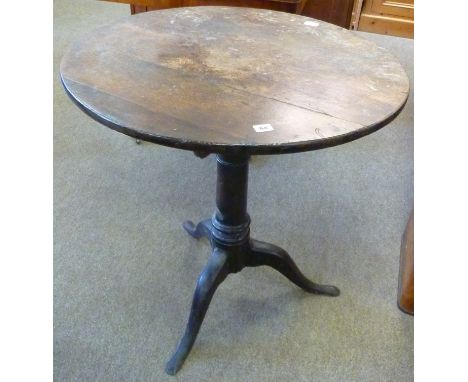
134, 9
393, 8
337, 12
264, 4
160, 4
387, 25
406, 277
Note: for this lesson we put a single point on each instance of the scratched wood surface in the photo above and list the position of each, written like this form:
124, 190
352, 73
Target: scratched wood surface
200, 78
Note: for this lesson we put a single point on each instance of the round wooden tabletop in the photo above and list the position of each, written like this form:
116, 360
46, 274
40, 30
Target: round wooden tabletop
237, 80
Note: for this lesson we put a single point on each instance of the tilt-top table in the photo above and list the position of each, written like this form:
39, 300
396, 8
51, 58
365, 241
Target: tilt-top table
235, 82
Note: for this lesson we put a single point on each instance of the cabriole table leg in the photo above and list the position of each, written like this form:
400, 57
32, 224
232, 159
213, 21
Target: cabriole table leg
233, 249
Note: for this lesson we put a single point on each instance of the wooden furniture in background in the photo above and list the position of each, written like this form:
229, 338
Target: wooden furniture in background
138, 6
337, 12
393, 17
406, 279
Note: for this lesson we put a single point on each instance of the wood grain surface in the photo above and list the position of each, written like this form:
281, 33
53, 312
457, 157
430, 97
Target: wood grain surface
200, 78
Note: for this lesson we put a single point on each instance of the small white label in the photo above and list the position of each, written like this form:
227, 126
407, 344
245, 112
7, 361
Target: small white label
263, 128
312, 23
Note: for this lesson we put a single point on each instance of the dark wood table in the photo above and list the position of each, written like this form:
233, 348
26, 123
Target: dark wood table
235, 82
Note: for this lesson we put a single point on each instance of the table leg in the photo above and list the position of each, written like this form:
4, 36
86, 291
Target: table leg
233, 249
268, 254
212, 275
202, 229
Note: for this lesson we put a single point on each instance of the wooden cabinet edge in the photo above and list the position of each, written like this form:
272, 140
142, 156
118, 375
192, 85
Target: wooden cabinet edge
406, 275
395, 26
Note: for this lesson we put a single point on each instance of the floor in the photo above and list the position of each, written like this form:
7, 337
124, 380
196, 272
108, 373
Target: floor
124, 270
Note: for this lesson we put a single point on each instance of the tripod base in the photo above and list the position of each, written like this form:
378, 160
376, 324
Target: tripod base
232, 250
231, 259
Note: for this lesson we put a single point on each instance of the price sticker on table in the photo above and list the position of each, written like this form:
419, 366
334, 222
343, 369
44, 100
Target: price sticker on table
263, 128
312, 23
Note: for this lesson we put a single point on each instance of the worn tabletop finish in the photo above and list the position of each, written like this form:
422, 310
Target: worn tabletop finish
200, 78
204, 79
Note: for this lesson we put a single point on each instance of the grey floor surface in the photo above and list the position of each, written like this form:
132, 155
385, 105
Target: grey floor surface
124, 270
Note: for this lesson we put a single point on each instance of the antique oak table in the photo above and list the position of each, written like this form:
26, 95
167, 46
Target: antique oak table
235, 82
